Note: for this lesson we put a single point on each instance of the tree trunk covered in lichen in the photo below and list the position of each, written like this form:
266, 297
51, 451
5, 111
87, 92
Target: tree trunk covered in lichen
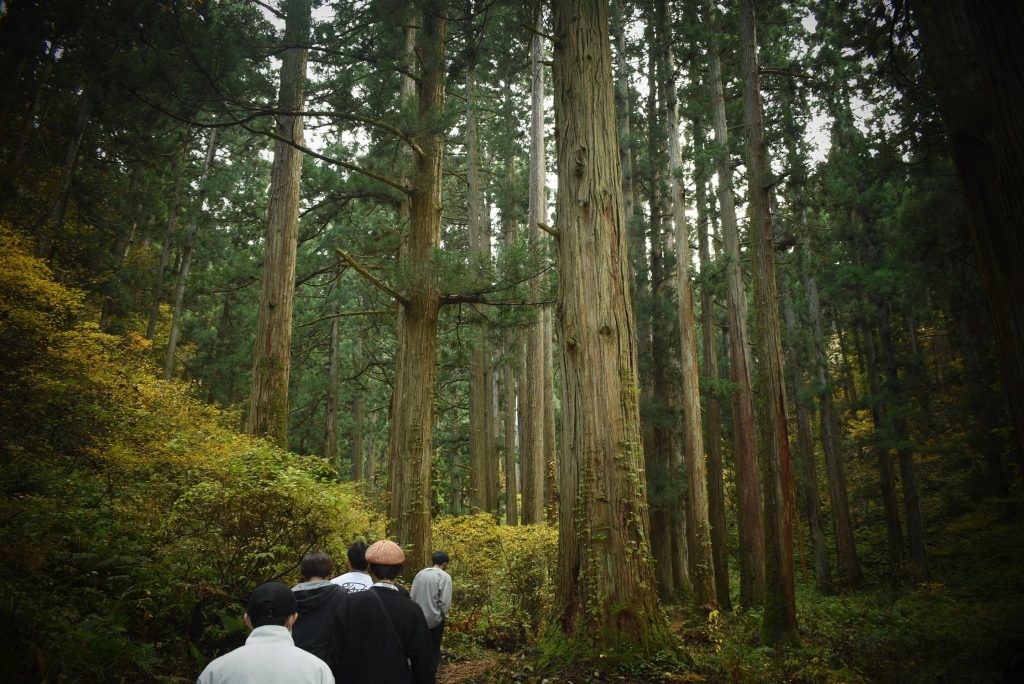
606, 599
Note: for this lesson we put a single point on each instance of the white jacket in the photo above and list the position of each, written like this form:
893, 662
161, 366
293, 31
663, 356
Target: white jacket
269, 656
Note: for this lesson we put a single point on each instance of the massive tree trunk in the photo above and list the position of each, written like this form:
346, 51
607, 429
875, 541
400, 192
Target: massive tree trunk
532, 446
268, 395
412, 400
751, 526
701, 561
165, 250
975, 58
779, 625
605, 573
713, 421
186, 262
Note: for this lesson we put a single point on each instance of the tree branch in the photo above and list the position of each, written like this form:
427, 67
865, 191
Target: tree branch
343, 314
553, 232
387, 180
376, 282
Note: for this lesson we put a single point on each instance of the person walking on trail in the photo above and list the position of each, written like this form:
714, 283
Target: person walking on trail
432, 592
318, 601
269, 655
382, 636
357, 578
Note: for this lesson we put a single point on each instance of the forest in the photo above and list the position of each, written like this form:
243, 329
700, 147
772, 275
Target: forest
693, 330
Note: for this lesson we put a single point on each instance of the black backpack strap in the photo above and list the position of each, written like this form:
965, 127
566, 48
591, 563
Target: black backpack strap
387, 618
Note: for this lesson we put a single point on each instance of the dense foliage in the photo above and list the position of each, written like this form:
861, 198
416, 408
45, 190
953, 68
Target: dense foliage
135, 520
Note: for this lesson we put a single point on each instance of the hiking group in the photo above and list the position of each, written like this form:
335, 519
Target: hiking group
360, 627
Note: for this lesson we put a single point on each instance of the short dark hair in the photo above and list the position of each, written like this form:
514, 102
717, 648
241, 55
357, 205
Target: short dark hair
357, 555
439, 558
316, 564
387, 572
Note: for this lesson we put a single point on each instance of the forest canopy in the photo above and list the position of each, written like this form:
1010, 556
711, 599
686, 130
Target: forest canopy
691, 330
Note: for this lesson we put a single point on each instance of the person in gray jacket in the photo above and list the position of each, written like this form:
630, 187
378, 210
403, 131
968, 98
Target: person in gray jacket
432, 592
269, 655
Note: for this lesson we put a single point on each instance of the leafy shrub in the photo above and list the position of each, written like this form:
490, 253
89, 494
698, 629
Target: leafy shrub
134, 520
503, 580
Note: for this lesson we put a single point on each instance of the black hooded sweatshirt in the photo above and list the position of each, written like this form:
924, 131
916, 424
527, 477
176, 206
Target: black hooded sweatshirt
318, 605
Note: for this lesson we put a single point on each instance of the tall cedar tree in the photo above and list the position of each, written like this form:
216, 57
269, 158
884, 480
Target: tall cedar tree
412, 401
272, 356
779, 625
605, 594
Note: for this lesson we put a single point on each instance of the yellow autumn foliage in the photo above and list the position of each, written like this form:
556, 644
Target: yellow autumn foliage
134, 519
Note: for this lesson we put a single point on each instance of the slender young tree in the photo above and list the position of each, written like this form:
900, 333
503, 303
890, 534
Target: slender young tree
713, 421
268, 391
479, 394
605, 591
185, 265
532, 454
779, 623
701, 561
751, 526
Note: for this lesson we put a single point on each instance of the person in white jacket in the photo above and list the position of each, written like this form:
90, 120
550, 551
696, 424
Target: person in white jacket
432, 592
269, 655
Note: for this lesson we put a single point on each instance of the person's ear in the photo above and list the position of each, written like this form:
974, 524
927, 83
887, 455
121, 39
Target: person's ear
247, 621
290, 622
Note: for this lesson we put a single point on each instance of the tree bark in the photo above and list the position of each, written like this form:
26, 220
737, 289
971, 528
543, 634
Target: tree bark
331, 414
805, 444
412, 400
605, 585
713, 421
701, 564
511, 488
846, 550
532, 454
479, 394
751, 525
658, 451
268, 393
550, 438
779, 624
894, 532
904, 452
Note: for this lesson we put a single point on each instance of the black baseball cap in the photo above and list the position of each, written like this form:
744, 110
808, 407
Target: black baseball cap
272, 599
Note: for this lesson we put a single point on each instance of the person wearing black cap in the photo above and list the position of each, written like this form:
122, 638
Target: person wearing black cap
382, 636
269, 655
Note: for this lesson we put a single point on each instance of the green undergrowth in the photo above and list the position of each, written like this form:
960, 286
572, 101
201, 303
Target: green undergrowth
134, 520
